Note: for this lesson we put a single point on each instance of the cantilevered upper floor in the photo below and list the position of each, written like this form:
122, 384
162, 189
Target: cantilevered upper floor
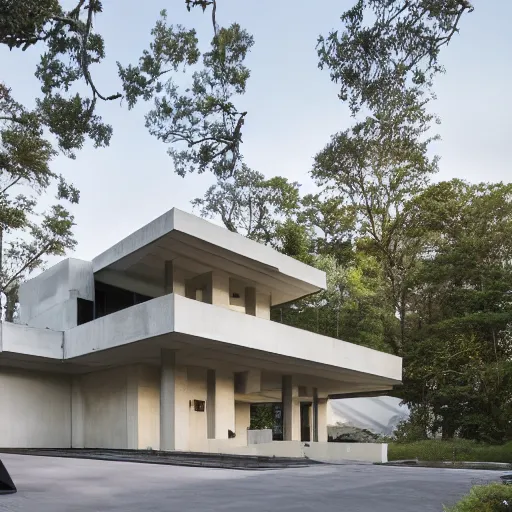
176, 253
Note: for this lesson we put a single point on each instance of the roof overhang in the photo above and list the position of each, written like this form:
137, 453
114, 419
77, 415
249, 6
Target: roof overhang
198, 246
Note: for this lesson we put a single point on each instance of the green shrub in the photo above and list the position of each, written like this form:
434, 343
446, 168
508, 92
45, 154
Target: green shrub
485, 498
262, 416
456, 450
409, 431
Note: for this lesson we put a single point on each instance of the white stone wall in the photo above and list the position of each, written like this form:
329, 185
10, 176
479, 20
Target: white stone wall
242, 420
117, 408
49, 300
20, 339
105, 400
148, 407
34, 409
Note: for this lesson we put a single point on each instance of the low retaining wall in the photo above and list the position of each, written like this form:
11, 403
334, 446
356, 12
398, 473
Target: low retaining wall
324, 452
259, 436
338, 452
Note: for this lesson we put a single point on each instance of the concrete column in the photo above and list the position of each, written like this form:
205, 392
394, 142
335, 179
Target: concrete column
174, 407
174, 279
182, 409
291, 410
315, 415
257, 303
263, 305
220, 403
224, 403
220, 289
250, 301
242, 420
77, 414
214, 288
210, 404
322, 420
132, 407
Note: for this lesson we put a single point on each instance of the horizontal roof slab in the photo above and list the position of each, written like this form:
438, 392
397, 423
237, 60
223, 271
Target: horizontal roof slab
199, 245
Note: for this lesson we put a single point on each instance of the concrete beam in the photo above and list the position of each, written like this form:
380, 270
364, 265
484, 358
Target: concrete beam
248, 382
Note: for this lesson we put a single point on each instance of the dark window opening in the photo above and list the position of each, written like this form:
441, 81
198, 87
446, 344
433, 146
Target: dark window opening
109, 299
85, 311
305, 424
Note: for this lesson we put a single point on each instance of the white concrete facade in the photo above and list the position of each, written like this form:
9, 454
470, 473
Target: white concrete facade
164, 341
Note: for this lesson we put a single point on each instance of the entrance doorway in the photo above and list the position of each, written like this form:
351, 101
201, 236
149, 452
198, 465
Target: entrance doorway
305, 421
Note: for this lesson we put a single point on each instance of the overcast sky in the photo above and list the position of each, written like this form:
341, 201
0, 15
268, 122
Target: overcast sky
292, 107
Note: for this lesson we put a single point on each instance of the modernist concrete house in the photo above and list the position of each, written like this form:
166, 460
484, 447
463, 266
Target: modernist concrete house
165, 341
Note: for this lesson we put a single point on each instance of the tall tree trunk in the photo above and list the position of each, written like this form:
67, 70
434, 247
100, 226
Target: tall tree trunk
11, 297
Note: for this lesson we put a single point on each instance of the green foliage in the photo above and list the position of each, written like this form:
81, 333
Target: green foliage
27, 234
379, 166
23, 23
69, 48
389, 48
353, 307
261, 416
332, 224
200, 121
458, 360
493, 497
457, 450
414, 428
249, 204
295, 240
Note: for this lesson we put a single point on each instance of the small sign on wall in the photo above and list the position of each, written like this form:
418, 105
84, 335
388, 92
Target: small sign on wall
199, 405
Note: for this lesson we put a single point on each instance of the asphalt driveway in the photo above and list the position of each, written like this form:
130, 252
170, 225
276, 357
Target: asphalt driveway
47, 484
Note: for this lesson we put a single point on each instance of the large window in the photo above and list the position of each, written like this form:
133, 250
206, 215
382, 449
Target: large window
109, 299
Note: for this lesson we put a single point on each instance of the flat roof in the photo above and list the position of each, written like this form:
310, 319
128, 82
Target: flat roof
178, 221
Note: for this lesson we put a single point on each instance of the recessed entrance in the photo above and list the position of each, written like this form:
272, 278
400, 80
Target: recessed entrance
305, 421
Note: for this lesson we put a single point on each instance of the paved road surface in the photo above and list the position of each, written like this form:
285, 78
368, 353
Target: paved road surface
47, 484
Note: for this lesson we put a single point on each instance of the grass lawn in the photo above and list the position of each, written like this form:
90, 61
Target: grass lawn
455, 450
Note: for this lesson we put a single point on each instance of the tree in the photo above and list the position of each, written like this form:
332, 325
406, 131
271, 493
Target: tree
384, 62
389, 48
332, 224
249, 204
458, 366
379, 165
201, 118
69, 47
27, 234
